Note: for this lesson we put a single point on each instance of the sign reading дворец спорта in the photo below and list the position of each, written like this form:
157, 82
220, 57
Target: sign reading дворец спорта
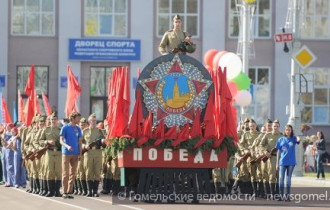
104, 49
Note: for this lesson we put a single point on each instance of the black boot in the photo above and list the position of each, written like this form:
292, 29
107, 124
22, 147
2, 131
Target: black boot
89, 188
45, 191
267, 189
254, 188
95, 188
235, 187
36, 186
261, 190
277, 187
116, 187
75, 187
57, 188
272, 190
31, 185
106, 187
51, 188
230, 186
111, 183
84, 187
42, 186
80, 188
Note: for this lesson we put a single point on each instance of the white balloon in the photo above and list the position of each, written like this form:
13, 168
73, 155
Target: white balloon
233, 63
243, 98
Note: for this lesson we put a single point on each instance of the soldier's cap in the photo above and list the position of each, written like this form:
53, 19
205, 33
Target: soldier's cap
252, 121
74, 114
42, 118
83, 120
53, 114
35, 119
177, 17
92, 116
276, 121
269, 121
246, 120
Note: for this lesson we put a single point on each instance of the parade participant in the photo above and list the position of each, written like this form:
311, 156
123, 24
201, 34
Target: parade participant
320, 146
93, 156
106, 169
2, 128
174, 37
267, 145
286, 159
70, 139
19, 170
50, 137
7, 157
81, 182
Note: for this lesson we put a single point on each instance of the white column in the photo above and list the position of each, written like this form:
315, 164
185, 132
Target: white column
69, 26
142, 22
4, 23
214, 24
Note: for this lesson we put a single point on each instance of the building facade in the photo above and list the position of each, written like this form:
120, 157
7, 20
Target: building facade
39, 32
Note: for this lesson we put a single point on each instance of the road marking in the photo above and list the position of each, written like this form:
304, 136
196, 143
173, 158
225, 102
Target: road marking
110, 202
49, 199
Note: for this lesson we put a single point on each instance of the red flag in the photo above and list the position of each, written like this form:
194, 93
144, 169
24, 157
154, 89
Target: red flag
196, 127
147, 131
48, 109
209, 122
73, 92
171, 133
20, 107
29, 108
5, 113
182, 136
137, 117
160, 133
36, 104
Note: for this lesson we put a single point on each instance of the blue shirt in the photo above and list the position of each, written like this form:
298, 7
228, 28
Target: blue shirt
286, 146
71, 135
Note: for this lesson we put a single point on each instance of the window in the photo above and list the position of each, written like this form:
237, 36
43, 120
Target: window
33, 17
99, 90
105, 17
187, 9
261, 19
316, 19
316, 105
40, 81
259, 109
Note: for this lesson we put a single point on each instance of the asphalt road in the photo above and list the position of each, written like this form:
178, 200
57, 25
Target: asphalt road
12, 198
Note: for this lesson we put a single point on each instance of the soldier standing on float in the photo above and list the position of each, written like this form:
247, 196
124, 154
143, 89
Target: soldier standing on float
81, 182
268, 142
53, 157
93, 157
40, 163
172, 38
246, 142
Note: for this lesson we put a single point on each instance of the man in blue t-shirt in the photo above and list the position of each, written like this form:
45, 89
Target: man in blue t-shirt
71, 138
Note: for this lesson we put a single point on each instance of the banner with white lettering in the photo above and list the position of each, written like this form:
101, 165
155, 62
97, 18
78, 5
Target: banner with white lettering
105, 49
150, 157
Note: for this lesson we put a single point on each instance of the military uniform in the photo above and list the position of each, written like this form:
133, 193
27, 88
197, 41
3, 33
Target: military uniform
80, 185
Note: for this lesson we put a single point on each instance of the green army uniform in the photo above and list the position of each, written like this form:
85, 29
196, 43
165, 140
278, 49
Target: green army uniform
115, 171
92, 160
53, 160
24, 135
171, 39
268, 142
80, 185
247, 141
35, 164
229, 176
106, 171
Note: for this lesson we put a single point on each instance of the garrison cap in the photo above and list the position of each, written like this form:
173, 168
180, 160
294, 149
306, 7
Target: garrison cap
269, 121
83, 120
252, 121
276, 121
42, 118
177, 17
246, 120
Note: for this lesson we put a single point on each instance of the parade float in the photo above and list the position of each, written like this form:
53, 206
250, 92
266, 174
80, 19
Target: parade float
182, 126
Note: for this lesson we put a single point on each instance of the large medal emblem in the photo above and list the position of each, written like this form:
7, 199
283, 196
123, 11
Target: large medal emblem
173, 89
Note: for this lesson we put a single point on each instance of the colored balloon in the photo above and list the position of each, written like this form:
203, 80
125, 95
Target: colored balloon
216, 59
242, 81
208, 57
243, 98
233, 88
232, 62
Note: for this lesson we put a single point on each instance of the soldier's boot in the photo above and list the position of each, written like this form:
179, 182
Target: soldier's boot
272, 190
37, 186
75, 187
105, 187
230, 186
95, 188
261, 190
84, 187
254, 189
31, 185
267, 189
277, 187
250, 188
42, 188
51, 188
111, 183
80, 188
116, 187
57, 188
46, 188
89, 188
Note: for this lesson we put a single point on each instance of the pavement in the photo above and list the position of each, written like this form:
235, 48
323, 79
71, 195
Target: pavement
310, 181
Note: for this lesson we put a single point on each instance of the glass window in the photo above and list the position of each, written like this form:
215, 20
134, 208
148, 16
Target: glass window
99, 90
261, 19
187, 9
105, 17
316, 105
316, 19
33, 17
